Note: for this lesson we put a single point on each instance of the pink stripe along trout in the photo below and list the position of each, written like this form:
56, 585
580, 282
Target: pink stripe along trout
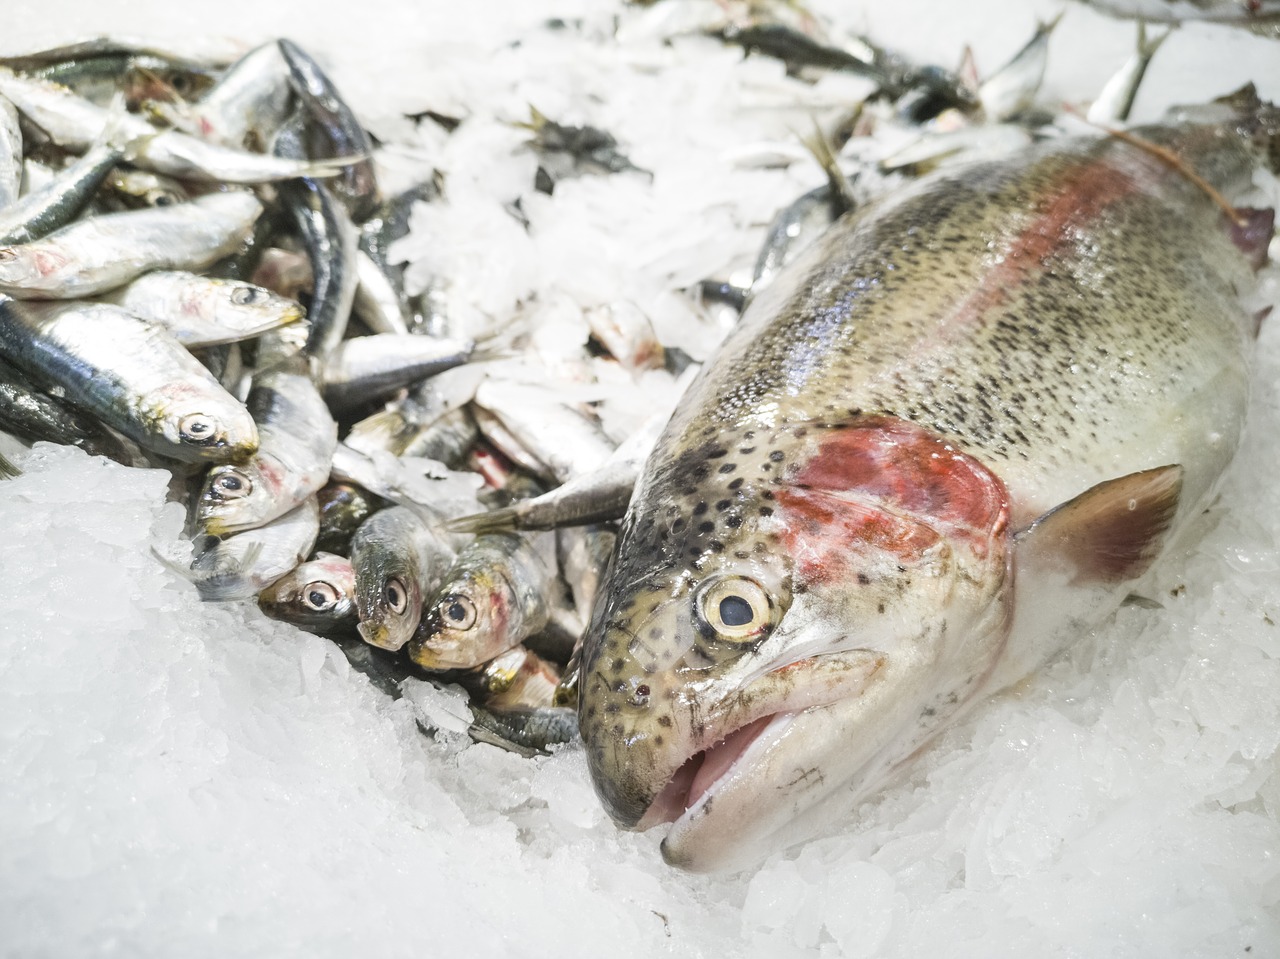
935, 450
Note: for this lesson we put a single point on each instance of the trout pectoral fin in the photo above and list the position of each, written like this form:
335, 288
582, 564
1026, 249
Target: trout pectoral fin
1077, 560
1111, 532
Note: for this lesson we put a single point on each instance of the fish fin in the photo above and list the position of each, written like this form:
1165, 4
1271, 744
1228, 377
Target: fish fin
494, 521
1251, 231
967, 72
842, 196
8, 470
1078, 561
1112, 532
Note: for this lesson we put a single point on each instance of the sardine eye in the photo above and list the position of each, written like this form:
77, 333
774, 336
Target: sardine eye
319, 596
735, 607
161, 198
199, 429
395, 596
457, 611
7, 253
232, 484
244, 295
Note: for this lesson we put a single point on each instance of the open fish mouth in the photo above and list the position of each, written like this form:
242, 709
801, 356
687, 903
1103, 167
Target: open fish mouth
700, 773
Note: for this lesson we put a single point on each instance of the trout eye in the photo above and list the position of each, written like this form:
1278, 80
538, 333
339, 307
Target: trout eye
457, 612
232, 485
395, 596
319, 596
737, 609
199, 429
244, 295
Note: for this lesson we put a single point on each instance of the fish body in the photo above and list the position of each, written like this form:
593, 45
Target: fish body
130, 374
95, 255
936, 448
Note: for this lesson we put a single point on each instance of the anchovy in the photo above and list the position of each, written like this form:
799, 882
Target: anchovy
131, 375
91, 256
945, 441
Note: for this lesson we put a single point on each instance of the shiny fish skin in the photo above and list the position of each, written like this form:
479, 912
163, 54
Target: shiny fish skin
33, 415
51, 207
491, 599
76, 123
95, 255
1115, 100
247, 104
296, 440
140, 380
364, 369
318, 596
564, 440
242, 566
335, 131
203, 311
329, 238
973, 355
398, 561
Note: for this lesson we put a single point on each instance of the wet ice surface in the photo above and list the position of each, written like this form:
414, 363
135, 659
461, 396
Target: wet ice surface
191, 779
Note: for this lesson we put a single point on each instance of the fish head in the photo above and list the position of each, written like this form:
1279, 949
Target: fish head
233, 498
469, 622
241, 305
200, 421
319, 595
756, 644
389, 578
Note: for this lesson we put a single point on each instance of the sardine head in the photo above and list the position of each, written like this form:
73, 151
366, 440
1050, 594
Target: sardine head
768, 641
468, 624
319, 595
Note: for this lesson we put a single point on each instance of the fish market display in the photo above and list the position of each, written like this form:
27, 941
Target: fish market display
402, 524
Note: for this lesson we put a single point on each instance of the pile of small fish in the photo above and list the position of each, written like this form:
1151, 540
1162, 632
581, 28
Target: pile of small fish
197, 275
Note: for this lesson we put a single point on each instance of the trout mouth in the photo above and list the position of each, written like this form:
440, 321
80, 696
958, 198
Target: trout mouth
701, 772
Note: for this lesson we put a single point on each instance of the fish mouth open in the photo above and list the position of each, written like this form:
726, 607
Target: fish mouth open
700, 772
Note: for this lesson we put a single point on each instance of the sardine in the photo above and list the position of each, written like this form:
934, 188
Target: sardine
399, 560
94, 255
318, 596
1116, 99
365, 369
945, 441
130, 374
243, 565
10, 153
296, 440
54, 205
491, 599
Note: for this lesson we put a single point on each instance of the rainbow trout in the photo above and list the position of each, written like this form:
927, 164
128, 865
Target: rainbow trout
941, 444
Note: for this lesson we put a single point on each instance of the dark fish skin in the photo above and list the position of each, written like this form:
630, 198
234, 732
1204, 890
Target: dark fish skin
1004, 337
329, 238
335, 131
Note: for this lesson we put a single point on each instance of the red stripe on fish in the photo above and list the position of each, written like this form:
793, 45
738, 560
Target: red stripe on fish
888, 484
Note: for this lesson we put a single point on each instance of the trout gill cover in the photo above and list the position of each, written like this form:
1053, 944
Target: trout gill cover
946, 440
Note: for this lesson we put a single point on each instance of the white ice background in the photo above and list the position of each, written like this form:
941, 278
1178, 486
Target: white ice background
188, 779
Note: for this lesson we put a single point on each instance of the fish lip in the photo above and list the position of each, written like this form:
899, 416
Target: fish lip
867, 665
682, 785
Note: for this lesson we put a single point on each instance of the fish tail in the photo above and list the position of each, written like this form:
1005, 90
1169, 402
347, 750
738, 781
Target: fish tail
495, 521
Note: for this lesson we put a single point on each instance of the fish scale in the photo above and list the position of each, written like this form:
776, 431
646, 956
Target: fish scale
1061, 327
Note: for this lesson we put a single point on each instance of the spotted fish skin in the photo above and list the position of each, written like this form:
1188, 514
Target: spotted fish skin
817, 572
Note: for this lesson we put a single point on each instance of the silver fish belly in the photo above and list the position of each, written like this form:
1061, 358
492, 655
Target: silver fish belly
940, 444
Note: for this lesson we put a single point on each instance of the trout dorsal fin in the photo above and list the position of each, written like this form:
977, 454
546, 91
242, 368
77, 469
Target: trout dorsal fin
1111, 532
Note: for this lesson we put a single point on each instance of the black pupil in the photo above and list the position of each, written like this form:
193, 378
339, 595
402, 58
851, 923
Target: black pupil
317, 598
735, 611
456, 612
393, 594
231, 482
197, 427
